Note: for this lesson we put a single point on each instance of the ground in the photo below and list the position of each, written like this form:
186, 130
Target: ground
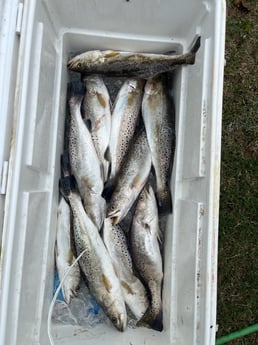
238, 228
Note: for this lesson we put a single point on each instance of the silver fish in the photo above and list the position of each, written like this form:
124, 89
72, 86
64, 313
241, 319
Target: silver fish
64, 254
125, 117
96, 109
133, 290
146, 254
118, 63
158, 116
131, 179
96, 263
85, 165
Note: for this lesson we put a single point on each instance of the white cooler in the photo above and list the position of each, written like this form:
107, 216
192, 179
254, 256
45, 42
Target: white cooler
37, 37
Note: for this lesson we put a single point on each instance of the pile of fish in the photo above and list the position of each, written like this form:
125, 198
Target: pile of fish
115, 181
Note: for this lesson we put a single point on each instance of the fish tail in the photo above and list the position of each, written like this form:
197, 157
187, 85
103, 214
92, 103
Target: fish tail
152, 319
67, 186
65, 164
196, 44
193, 50
164, 201
75, 92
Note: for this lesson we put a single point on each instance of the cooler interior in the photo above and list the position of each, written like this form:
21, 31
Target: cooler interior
53, 31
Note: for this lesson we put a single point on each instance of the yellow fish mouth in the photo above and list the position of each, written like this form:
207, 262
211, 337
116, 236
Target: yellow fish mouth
115, 216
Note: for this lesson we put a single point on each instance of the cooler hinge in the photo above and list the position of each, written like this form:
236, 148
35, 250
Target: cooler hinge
4, 177
19, 18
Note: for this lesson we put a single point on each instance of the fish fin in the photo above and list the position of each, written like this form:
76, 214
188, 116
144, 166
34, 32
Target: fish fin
106, 282
164, 201
101, 99
190, 56
111, 105
109, 169
195, 44
65, 164
152, 320
102, 172
127, 287
87, 182
111, 53
115, 220
160, 236
158, 323
70, 257
67, 186
137, 183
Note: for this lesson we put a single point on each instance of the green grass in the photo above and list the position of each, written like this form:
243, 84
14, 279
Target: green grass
238, 229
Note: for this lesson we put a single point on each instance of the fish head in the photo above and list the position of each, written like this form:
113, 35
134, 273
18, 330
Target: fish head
114, 306
145, 196
96, 206
154, 85
85, 61
146, 210
120, 204
93, 83
134, 85
114, 212
119, 321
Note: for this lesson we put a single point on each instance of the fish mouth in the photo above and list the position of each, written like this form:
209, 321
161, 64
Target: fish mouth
71, 64
115, 216
121, 322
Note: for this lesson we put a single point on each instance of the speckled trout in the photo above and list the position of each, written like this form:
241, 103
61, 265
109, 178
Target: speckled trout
96, 263
85, 165
159, 120
146, 254
132, 177
119, 63
133, 290
125, 116
64, 254
96, 110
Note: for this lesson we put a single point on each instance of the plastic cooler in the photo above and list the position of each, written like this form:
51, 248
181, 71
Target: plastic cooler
37, 37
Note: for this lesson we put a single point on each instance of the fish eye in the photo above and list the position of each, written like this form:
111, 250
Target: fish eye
79, 64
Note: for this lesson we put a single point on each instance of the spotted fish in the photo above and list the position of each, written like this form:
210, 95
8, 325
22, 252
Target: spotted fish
133, 290
96, 109
118, 63
85, 165
159, 120
125, 117
64, 254
95, 263
146, 254
132, 177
